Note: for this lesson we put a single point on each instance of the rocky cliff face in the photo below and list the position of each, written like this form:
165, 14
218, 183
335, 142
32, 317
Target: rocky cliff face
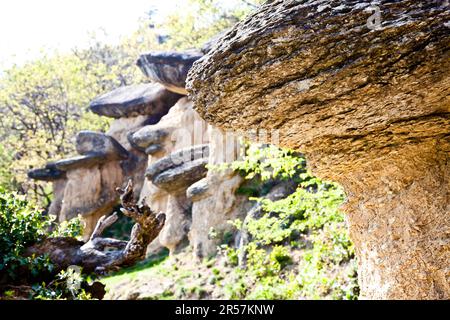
363, 90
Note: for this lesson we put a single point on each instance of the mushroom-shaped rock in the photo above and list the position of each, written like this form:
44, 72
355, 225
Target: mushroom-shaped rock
48, 173
168, 68
180, 169
131, 101
198, 190
146, 137
182, 176
83, 161
88, 142
367, 100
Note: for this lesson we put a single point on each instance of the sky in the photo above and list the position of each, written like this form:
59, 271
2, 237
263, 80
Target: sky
28, 26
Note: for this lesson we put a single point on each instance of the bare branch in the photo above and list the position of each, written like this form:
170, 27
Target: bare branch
103, 223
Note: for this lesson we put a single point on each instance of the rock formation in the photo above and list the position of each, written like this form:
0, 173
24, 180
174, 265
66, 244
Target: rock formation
158, 141
365, 96
214, 199
103, 254
181, 128
85, 185
168, 68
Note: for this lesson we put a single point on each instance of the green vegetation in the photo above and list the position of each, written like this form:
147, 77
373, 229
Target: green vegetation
138, 270
307, 223
20, 225
298, 248
66, 285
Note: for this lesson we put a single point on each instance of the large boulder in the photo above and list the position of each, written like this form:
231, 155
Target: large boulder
168, 68
58, 197
214, 204
188, 163
174, 174
148, 139
89, 141
131, 101
362, 89
181, 176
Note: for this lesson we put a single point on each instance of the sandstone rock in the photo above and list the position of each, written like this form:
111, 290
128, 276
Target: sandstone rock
49, 173
213, 208
214, 199
58, 197
90, 189
90, 192
88, 142
154, 195
212, 41
130, 101
154, 148
180, 128
181, 176
368, 105
134, 167
198, 190
81, 193
184, 129
121, 129
184, 160
168, 68
174, 234
146, 137
83, 161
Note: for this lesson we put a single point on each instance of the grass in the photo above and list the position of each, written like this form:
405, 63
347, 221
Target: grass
144, 267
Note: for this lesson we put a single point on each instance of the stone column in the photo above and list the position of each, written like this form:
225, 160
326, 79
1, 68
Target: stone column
398, 212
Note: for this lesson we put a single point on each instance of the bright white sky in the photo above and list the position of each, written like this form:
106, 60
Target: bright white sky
27, 26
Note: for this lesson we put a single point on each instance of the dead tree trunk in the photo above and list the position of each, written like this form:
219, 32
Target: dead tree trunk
362, 88
104, 254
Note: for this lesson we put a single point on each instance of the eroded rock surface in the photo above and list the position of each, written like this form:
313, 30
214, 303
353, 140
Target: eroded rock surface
83, 161
168, 68
48, 173
89, 141
369, 106
131, 101
214, 198
148, 137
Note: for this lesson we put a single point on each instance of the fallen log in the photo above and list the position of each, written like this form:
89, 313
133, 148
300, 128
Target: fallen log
100, 254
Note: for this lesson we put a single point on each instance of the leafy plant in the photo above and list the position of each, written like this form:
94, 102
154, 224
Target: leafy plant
67, 285
20, 225
308, 222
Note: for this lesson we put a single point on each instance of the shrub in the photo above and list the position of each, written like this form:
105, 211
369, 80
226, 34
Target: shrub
20, 225
309, 218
